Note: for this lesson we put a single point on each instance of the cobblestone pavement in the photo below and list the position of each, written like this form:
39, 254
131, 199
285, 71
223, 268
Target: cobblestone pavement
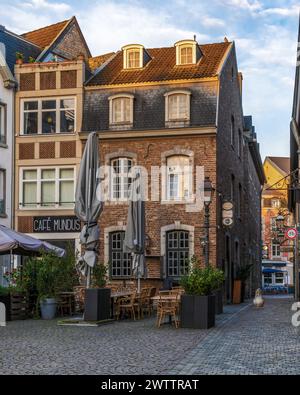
255, 341
245, 340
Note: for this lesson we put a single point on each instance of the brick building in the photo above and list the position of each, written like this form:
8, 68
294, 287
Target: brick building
170, 108
177, 106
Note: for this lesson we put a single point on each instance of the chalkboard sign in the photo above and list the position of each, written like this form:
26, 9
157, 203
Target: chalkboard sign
60, 224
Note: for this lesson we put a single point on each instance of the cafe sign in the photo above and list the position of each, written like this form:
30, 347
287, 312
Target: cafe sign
60, 224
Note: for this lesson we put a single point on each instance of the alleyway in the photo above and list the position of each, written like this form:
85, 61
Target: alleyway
245, 341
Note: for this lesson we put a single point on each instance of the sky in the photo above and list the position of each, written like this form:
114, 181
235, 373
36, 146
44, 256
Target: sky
265, 33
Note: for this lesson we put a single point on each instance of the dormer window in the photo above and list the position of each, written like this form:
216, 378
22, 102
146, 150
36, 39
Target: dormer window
187, 52
133, 56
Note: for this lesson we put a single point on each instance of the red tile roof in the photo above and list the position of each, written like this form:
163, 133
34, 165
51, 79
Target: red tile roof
43, 37
162, 67
97, 61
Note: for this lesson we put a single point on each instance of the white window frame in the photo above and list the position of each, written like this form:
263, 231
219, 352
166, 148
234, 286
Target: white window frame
39, 111
188, 103
277, 248
181, 173
275, 203
111, 115
121, 176
126, 50
3, 123
39, 181
186, 44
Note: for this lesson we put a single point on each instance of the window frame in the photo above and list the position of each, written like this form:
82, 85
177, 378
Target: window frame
111, 109
275, 247
3, 214
122, 175
39, 205
176, 121
3, 123
181, 173
110, 253
132, 48
178, 250
179, 45
58, 109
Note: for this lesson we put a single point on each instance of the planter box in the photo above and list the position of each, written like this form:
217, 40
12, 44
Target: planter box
219, 301
16, 306
198, 312
5, 299
97, 304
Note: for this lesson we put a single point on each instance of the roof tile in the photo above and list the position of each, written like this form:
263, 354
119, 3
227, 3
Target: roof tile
162, 67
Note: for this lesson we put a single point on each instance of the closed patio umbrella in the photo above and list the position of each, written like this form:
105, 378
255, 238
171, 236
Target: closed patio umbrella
134, 240
87, 206
13, 242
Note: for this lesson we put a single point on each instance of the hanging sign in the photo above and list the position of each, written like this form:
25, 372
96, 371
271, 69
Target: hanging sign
227, 213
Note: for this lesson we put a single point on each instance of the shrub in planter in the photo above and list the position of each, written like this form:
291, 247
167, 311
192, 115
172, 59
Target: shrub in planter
198, 302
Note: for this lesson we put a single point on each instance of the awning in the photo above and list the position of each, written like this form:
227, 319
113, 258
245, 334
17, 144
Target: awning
267, 270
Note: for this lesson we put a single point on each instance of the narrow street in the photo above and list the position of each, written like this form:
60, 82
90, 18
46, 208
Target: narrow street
245, 340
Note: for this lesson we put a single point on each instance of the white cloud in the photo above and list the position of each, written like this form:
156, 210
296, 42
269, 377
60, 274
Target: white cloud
130, 24
253, 5
291, 11
212, 22
44, 5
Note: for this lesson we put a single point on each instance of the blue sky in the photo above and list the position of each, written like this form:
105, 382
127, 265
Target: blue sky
265, 33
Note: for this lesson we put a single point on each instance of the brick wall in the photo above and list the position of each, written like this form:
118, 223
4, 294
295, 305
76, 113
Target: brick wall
148, 152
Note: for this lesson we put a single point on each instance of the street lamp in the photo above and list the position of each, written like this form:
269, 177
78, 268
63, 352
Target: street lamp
208, 194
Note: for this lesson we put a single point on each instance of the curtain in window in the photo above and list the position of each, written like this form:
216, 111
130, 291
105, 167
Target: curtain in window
178, 107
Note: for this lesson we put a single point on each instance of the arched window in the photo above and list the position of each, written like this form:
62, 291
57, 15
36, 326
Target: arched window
178, 177
186, 54
120, 262
178, 107
121, 110
177, 253
120, 180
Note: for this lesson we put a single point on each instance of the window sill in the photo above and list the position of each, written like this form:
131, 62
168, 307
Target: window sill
47, 134
176, 201
3, 215
180, 123
120, 126
3, 145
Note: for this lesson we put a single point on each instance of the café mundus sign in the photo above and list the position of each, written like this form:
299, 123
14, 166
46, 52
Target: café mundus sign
61, 224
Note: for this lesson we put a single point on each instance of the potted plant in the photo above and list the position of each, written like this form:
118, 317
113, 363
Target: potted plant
46, 278
97, 298
19, 58
242, 275
31, 59
198, 302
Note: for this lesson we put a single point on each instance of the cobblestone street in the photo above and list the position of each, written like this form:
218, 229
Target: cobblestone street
245, 341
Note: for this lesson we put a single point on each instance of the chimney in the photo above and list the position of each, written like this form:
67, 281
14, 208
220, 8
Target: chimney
195, 37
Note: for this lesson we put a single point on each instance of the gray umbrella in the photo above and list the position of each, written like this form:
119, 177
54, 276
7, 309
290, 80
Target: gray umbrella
87, 206
134, 240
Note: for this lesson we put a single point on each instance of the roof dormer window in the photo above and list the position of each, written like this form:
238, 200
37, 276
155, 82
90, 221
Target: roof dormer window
187, 52
133, 56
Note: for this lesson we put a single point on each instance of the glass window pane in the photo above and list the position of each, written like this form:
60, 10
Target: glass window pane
29, 174
30, 105
48, 104
133, 59
30, 122
67, 103
2, 124
117, 110
67, 121
66, 193
48, 193
2, 194
29, 193
66, 173
48, 174
48, 122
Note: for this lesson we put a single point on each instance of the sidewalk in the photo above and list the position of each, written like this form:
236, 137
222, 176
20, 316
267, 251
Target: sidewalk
253, 341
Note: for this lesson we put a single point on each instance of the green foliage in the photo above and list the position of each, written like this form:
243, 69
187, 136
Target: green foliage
99, 275
4, 290
31, 59
202, 281
243, 272
19, 55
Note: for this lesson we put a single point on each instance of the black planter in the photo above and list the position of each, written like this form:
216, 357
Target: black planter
198, 312
97, 304
6, 300
219, 301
